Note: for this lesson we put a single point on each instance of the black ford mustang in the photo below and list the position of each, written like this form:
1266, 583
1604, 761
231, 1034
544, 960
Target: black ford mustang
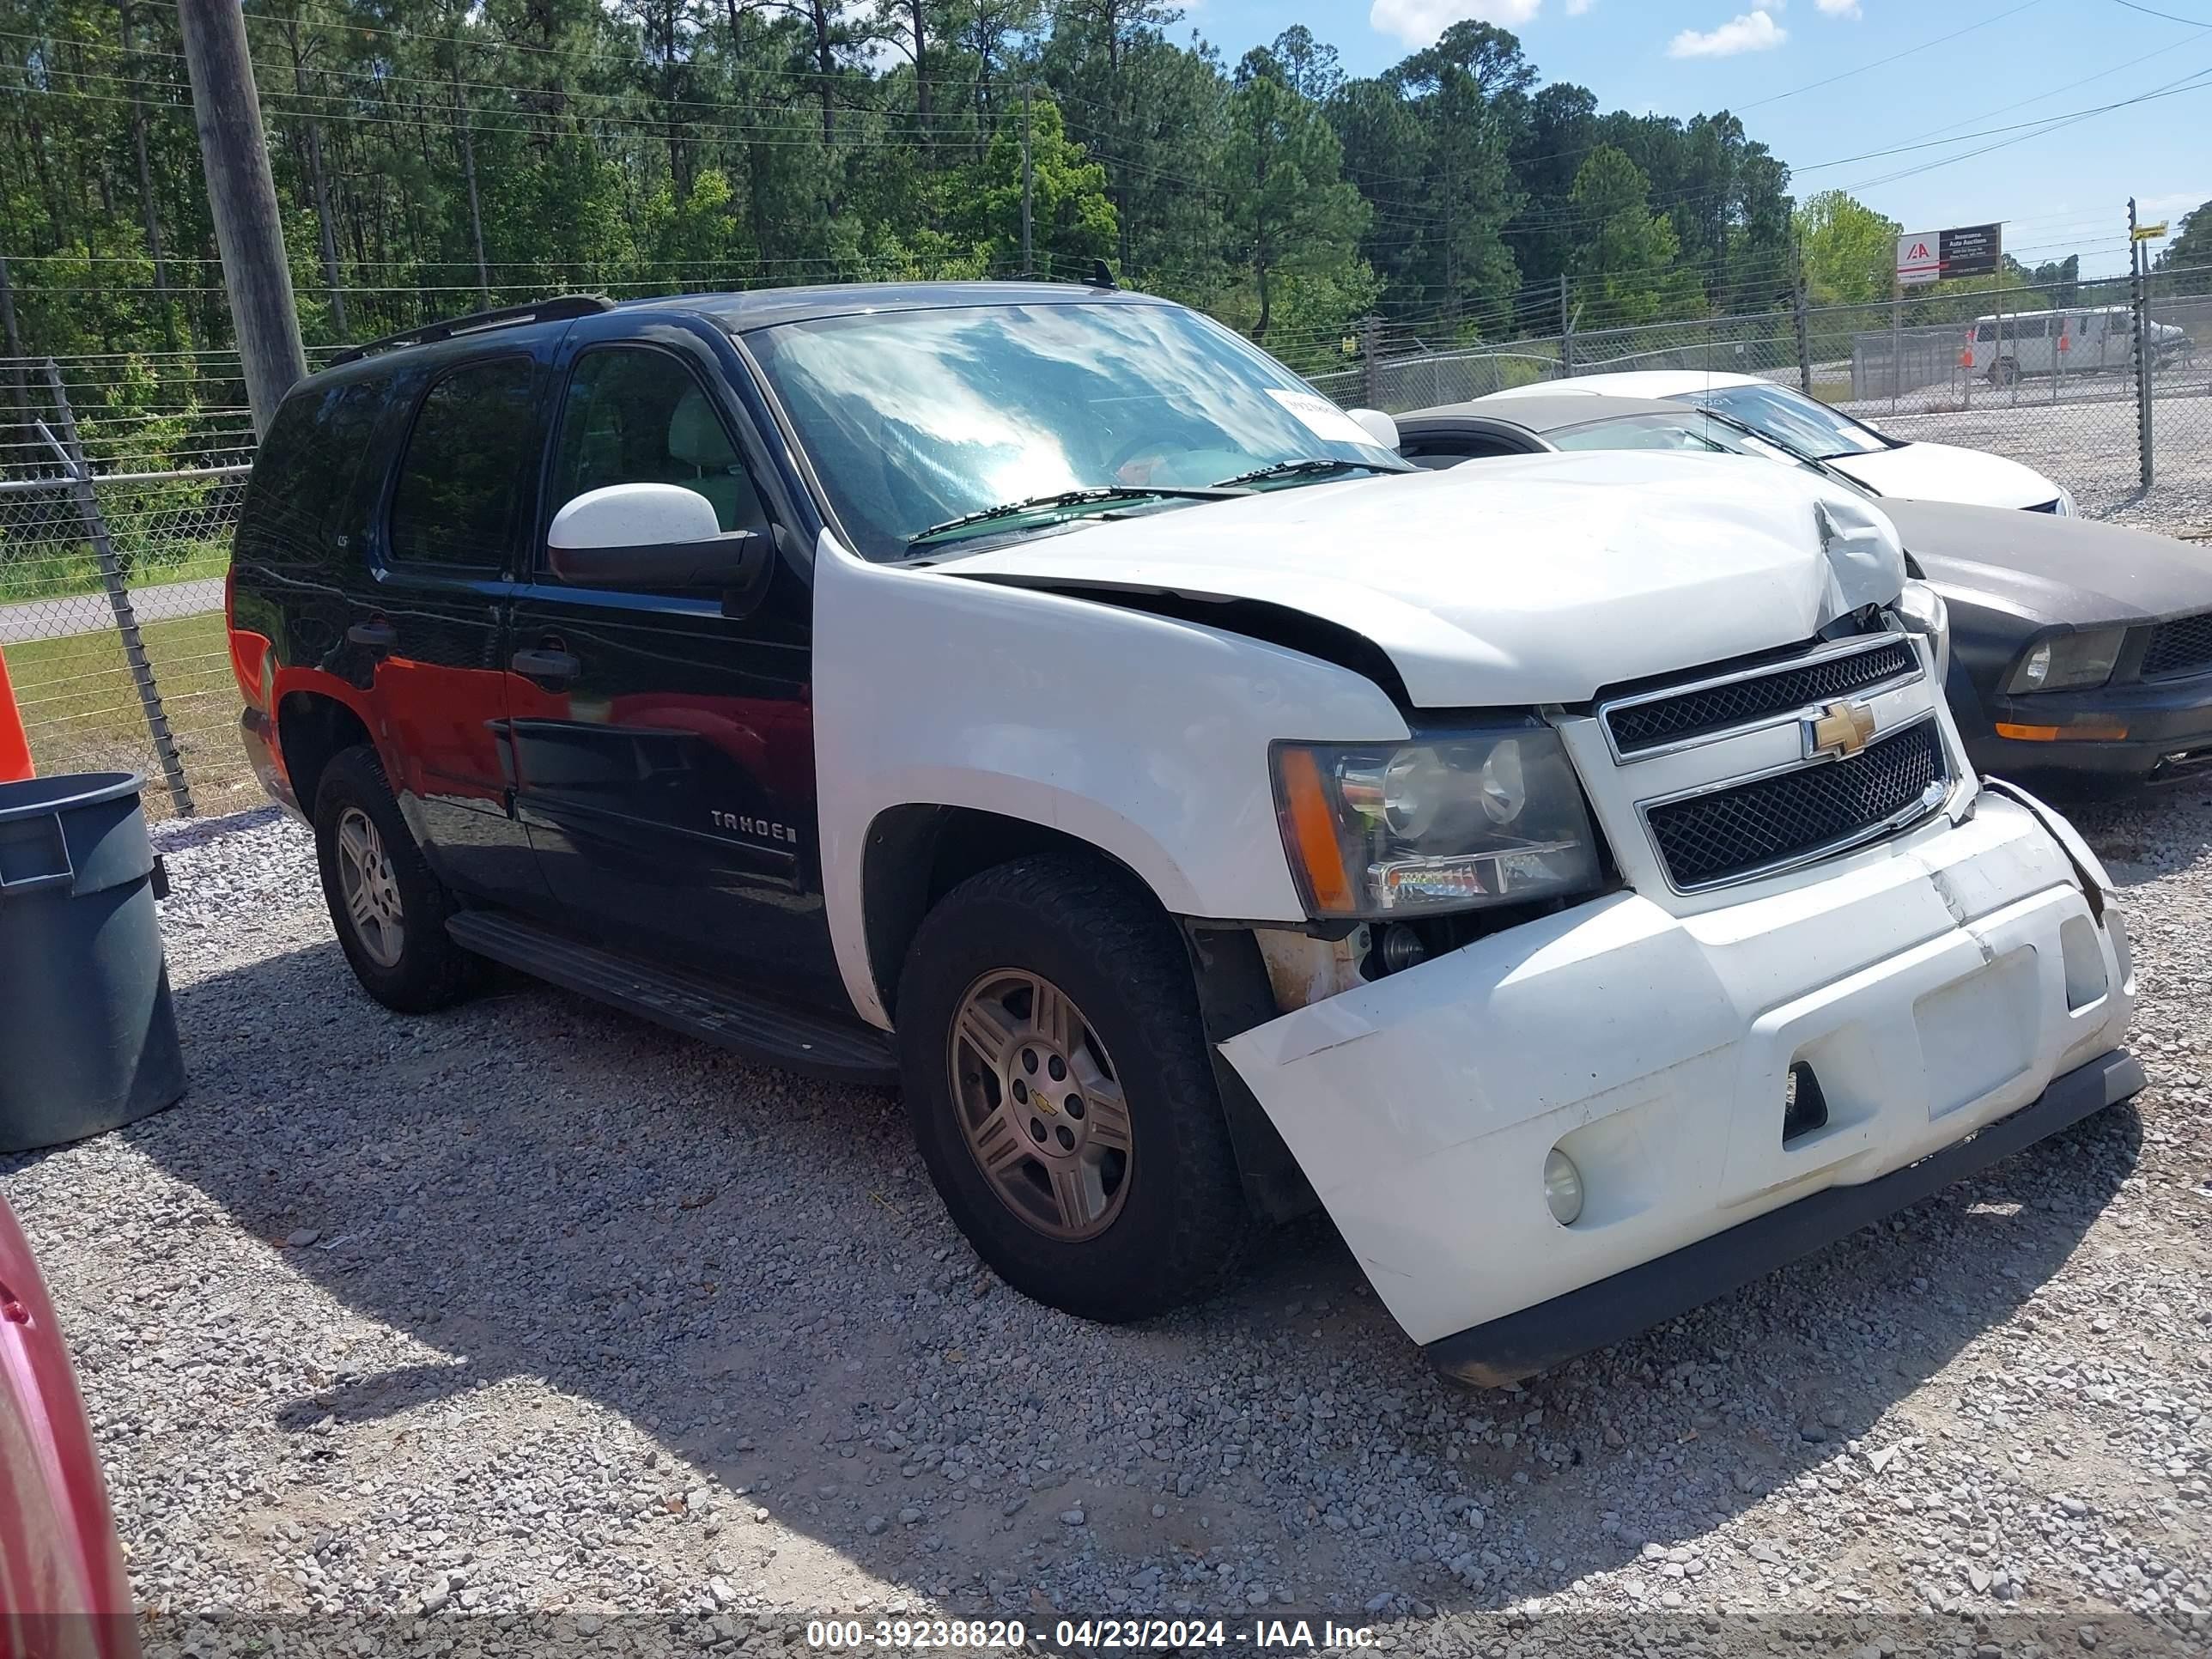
2081, 652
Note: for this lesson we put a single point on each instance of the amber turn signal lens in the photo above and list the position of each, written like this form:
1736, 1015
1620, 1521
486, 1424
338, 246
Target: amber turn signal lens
1313, 832
2061, 733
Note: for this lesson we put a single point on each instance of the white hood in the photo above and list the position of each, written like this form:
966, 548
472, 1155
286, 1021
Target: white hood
1945, 472
1529, 579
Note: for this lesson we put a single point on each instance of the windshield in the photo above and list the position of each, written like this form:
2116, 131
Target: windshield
916, 419
1697, 430
1689, 430
1790, 418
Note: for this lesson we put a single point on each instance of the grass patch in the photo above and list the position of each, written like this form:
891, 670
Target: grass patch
55, 576
162, 531
82, 709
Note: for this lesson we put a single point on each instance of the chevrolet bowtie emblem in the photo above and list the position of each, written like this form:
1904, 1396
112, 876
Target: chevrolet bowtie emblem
1840, 731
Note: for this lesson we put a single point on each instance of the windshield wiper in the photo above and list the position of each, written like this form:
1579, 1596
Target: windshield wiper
1305, 468
1098, 493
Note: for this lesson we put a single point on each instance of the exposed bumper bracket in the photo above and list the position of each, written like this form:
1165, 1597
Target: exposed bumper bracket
1519, 1344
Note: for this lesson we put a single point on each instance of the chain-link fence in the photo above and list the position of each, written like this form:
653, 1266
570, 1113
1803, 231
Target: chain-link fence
2108, 394
111, 579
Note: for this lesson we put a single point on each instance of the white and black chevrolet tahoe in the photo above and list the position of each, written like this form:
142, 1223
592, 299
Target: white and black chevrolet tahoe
1563, 872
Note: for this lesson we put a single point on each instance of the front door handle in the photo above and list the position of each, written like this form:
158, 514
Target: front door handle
377, 635
547, 666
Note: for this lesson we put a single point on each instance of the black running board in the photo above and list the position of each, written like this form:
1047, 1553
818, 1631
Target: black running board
697, 1005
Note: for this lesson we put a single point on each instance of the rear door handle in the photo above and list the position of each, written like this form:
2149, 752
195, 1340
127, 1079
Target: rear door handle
547, 666
377, 635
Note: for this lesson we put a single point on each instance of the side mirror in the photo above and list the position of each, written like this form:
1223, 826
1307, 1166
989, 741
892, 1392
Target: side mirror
651, 536
1380, 427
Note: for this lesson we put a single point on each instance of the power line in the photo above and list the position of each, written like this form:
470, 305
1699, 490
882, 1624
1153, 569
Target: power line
2150, 12
1880, 63
2197, 80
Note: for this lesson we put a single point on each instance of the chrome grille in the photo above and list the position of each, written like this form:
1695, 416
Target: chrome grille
2180, 647
1662, 718
1805, 813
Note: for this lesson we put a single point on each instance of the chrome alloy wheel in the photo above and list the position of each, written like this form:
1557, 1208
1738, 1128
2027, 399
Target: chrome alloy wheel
1039, 1104
370, 890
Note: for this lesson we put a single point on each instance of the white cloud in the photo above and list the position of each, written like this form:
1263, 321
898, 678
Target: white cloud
2173, 204
1755, 31
1577, 8
1418, 23
1839, 8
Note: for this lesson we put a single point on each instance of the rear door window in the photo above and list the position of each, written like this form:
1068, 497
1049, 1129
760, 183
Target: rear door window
466, 460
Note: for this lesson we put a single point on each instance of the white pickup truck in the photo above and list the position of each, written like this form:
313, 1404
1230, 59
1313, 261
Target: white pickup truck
1564, 871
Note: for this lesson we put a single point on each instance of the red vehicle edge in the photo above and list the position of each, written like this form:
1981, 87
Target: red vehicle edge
64, 1594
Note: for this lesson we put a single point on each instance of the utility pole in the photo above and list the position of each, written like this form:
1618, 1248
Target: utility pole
1797, 310
12, 341
1896, 337
2141, 308
242, 196
469, 172
1566, 331
1028, 183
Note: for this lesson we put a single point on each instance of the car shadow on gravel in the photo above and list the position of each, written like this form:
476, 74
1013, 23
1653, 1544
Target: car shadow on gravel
754, 1270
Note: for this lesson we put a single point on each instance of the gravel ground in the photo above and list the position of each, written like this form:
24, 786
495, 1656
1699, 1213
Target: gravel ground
396, 1324
2090, 446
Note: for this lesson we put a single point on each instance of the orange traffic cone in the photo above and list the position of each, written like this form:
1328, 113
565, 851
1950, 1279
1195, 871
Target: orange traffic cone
15, 747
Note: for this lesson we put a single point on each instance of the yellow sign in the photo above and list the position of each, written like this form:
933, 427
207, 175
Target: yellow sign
2150, 233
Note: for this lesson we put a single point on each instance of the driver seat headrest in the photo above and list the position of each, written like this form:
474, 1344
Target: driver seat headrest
694, 436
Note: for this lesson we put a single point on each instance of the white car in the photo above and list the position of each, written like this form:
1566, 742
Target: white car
1564, 871
1889, 466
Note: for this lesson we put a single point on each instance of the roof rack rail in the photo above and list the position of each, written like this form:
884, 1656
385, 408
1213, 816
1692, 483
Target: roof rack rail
538, 310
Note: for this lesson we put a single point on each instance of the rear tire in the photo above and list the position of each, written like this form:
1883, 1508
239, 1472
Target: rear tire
1061, 1087
388, 908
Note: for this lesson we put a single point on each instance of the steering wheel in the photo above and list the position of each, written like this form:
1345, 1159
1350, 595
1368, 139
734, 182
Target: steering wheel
1136, 461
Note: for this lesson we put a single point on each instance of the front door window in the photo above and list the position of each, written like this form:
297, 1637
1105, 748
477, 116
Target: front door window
635, 416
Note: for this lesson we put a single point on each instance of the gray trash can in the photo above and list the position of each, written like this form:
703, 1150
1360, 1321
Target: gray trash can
87, 1035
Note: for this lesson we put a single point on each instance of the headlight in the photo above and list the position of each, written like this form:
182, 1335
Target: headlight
2068, 662
2066, 506
1406, 830
1922, 609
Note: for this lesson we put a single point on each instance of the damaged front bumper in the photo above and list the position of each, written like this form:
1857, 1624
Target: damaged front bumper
1966, 981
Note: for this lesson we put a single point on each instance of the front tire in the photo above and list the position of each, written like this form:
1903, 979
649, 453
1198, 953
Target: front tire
388, 908
1058, 1077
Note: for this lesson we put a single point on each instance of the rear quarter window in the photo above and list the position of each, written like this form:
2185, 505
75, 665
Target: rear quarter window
307, 470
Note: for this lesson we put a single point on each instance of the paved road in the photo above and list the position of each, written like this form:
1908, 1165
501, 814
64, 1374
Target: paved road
88, 613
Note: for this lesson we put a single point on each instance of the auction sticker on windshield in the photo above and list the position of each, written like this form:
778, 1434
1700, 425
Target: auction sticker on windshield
1323, 418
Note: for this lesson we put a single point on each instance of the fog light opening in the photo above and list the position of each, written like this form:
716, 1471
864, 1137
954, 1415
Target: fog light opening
1402, 949
1804, 1108
1563, 1188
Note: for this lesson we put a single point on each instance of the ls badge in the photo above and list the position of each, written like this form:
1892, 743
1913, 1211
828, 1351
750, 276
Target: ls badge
1840, 731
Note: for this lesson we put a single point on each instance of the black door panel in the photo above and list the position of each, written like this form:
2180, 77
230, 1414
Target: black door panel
429, 635
663, 751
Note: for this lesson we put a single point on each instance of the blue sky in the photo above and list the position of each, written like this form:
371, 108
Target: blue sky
2064, 191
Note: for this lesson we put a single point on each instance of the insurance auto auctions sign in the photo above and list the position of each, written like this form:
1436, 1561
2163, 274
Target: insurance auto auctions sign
1919, 257
1928, 256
